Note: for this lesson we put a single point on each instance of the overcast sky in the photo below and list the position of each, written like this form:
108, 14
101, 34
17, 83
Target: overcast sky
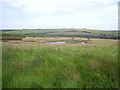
92, 14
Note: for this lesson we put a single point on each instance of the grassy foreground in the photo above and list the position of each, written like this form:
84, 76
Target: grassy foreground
60, 66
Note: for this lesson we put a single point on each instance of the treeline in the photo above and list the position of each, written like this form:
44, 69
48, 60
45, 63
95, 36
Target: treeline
11, 36
100, 36
6, 36
90, 36
37, 34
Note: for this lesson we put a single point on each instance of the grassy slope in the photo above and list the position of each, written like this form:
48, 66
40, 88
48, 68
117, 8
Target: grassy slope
64, 66
58, 30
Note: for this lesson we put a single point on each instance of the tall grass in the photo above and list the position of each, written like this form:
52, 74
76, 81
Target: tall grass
59, 66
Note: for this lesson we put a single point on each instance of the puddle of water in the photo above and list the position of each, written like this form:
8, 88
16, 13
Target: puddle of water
83, 42
60, 42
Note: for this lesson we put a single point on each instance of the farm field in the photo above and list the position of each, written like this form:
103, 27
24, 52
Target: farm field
35, 65
84, 33
27, 31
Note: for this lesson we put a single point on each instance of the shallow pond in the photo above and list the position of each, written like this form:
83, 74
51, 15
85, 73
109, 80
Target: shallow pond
59, 42
63, 42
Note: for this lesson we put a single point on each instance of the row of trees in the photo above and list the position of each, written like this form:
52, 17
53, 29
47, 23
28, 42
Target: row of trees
11, 36
101, 35
20, 36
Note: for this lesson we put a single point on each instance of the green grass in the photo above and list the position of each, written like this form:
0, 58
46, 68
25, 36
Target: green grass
60, 66
27, 31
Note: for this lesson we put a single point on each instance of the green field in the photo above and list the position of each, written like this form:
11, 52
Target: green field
84, 33
91, 65
27, 31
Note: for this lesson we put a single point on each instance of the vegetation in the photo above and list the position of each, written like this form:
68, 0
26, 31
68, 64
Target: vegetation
26, 63
11, 36
84, 33
92, 65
